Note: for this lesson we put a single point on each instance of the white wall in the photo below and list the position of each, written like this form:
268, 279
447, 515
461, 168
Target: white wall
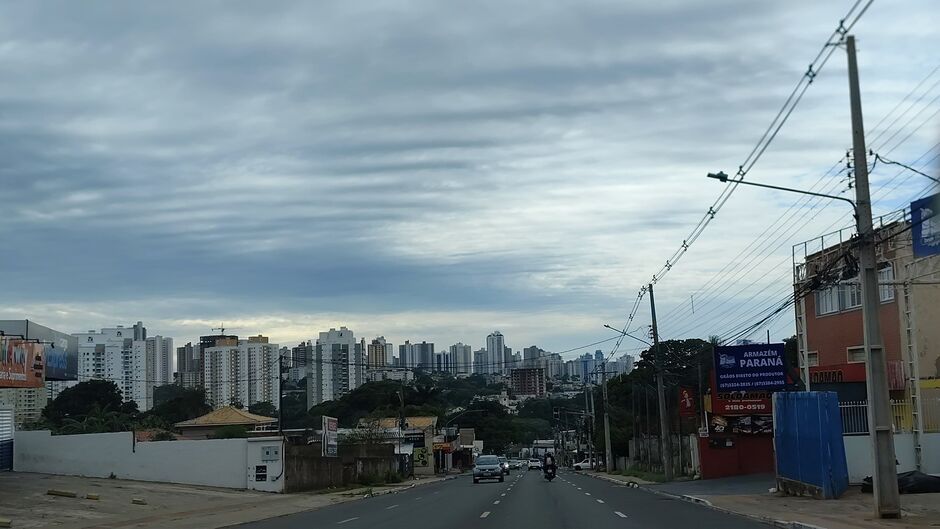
858, 454
217, 462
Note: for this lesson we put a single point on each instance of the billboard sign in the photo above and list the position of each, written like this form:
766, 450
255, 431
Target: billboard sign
925, 226
58, 363
751, 367
686, 402
22, 363
330, 435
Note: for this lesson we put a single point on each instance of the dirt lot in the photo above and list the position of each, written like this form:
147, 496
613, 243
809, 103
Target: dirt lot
24, 499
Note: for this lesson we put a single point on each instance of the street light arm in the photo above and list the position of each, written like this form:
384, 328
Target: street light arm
721, 176
459, 414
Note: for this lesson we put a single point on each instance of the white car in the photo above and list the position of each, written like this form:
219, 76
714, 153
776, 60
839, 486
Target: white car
535, 463
585, 465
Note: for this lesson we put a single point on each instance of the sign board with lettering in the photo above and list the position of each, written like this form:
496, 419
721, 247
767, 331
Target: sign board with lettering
925, 226
22, 363
330, 436
751, 367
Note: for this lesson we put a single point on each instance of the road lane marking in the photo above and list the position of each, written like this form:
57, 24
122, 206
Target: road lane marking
496, 502
503, 494
418, 498
620, 514
600, 501
579, 488
391, 507
347, 520
485, 514
587, 493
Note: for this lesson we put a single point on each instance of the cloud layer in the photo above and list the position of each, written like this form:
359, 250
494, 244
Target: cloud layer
416, 169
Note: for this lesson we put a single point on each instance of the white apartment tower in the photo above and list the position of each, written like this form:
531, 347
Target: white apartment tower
495, 353
242, 372
129, 358
461, 359
337, 366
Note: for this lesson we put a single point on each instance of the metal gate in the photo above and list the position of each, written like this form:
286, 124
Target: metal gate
6, 439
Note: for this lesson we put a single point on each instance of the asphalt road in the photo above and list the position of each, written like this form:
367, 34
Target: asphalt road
524, 500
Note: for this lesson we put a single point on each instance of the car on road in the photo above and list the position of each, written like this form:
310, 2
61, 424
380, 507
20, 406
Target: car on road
487, 467
504, 462
515, 464
535, 463
585, 465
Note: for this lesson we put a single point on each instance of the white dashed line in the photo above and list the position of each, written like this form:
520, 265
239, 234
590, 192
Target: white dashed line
485, 514
391, 507
347, 520
503, 494
620, 514
496, 502
600, 501
579, 488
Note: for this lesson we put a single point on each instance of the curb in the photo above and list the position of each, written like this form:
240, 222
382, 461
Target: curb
782, 524
409, 487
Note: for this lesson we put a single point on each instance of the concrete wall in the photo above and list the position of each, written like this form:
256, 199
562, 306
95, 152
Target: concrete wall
217, 463
859, 456
307, 469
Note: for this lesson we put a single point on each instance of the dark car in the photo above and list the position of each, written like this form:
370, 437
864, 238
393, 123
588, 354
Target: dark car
487, 467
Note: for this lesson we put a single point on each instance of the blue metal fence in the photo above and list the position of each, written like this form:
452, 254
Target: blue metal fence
808, 446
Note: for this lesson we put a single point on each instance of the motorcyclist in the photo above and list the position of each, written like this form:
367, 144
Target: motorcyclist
548, 464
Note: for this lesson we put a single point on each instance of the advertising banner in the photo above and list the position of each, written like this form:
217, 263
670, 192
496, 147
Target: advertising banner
751, 367
59, 365
925, 226
742, 424
22, 363
686, 402
330, 435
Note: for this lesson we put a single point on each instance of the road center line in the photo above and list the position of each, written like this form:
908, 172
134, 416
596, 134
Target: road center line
503, 494
587, 493
600, 501
347, 520
620, 514
496, 502
485, 514
391, 507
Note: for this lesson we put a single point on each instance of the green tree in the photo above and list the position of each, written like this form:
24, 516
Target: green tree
84, 398
189, 404
166, 393
263, 408
232, 431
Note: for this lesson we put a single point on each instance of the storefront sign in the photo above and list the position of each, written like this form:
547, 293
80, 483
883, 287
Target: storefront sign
744, 424
837, 374
752, 367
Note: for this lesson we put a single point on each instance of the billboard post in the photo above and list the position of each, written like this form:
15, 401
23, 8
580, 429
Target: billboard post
330, 433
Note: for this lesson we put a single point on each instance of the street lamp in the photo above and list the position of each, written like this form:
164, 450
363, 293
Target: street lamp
721, 176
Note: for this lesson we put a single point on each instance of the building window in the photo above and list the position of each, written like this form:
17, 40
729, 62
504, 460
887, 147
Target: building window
812, 358
855, 354
886, 275
827, 301
851, 295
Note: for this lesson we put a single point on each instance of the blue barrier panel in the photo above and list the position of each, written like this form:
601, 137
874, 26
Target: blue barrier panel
808, 447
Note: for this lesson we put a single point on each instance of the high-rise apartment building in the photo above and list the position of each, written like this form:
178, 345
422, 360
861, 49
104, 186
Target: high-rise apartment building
241, 373
337, 366
528, 382
378, 354
495, 353
480, 362
129, 358
461, 359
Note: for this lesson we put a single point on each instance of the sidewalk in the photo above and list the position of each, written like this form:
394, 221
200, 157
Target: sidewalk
166, 505
749, 496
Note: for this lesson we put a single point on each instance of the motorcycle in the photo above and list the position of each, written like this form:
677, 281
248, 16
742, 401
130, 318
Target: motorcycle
550, 473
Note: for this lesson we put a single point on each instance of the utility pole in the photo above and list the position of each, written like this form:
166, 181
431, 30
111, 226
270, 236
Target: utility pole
280, 394
665, 441
589, 421
884, 480
609, 454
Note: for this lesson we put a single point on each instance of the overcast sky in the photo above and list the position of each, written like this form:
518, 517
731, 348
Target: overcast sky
429, 170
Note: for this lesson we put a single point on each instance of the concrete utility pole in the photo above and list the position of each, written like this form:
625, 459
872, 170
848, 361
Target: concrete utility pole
608, 452
665, 441
589, 420
884, 479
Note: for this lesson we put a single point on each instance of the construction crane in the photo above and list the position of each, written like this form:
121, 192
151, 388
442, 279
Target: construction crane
220, 328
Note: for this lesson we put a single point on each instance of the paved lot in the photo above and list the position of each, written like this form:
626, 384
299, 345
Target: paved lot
23, 498
572, 501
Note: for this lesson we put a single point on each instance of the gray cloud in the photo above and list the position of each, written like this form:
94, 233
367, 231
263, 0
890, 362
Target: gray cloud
312, 159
